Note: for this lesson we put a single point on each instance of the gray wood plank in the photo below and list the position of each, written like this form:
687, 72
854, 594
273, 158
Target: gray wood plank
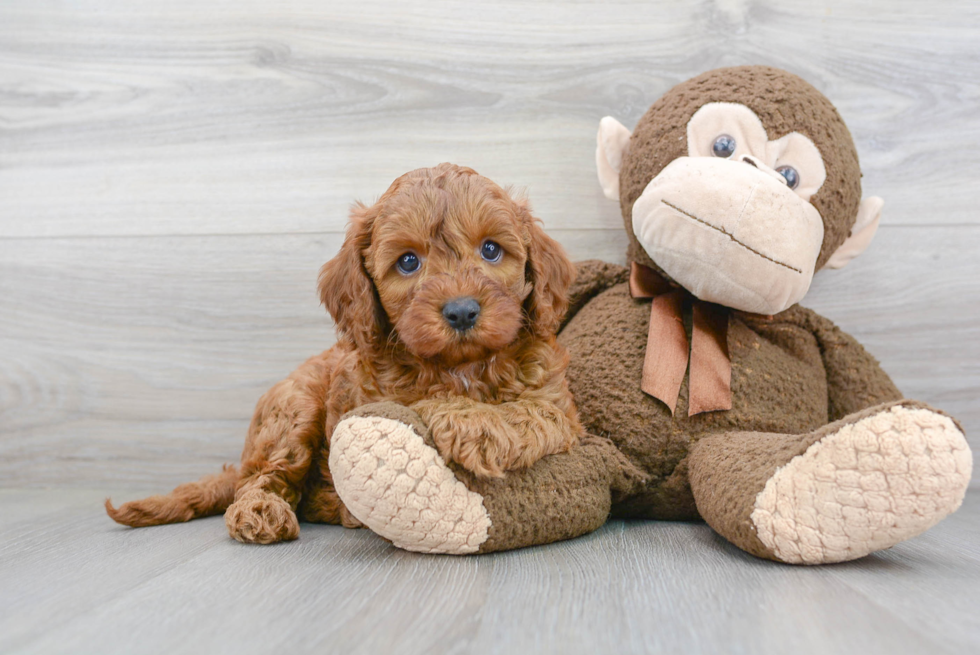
229, 117
922, 578
62, 564
34, 505
75, 582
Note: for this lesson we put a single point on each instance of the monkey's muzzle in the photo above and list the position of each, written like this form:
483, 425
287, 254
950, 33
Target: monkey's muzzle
730, 233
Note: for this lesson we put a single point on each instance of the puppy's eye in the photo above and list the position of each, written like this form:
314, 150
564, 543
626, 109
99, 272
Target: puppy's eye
491, 251
724, 146
408, 263
791, 176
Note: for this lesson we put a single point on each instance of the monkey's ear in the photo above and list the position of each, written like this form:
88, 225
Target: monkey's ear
869, 215
611, 144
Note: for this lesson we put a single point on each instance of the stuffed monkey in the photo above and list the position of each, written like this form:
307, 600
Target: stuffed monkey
710, 393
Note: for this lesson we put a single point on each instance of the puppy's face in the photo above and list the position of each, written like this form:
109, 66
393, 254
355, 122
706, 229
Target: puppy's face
449, 265
457, 266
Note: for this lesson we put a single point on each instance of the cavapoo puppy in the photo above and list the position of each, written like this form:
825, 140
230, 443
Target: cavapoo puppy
447, 295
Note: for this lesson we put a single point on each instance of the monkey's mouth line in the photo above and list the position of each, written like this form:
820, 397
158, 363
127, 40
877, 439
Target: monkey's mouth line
730, 236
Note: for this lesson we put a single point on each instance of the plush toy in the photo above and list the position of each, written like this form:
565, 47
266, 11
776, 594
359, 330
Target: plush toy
710, 392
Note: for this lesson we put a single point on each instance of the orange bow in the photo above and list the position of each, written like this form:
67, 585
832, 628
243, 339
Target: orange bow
668, 352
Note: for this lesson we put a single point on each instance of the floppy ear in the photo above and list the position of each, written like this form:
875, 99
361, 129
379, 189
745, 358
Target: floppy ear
611, 143
550, 273
869, 215
346, 289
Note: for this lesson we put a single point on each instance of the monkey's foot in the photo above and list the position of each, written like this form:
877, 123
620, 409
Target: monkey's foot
389, 475
852, 488
400, 488
865, 487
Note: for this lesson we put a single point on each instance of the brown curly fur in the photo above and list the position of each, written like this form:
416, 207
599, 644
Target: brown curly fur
494, 396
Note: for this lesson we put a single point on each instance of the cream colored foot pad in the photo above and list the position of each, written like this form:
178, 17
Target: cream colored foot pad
402, 490
870, 485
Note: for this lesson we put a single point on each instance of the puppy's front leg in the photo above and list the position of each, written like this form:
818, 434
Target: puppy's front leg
544, 417
491, 439
547, 425
475, 435
286, 430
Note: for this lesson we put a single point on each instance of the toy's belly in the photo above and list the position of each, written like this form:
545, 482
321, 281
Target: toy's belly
778, 383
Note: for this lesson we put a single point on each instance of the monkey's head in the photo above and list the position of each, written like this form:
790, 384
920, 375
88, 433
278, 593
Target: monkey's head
739, 184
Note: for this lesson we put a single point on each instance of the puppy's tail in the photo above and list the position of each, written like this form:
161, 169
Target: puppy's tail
210, 495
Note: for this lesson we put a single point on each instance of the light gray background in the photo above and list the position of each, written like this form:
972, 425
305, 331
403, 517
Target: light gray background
172, 175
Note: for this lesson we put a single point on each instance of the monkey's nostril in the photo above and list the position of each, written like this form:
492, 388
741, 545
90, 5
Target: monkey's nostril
461, 313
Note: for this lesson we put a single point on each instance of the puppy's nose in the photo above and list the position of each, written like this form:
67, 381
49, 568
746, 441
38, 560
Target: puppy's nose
461, 313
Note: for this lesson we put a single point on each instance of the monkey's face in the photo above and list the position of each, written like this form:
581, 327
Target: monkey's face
725, 208
731, 221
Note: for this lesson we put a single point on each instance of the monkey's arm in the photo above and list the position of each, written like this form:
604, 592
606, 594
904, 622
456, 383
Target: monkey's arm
592, 278
855, 379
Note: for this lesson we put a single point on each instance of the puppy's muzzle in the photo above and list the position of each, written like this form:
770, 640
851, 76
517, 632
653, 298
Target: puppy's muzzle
461, 313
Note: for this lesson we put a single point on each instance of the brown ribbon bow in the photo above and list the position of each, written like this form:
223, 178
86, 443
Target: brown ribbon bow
667, 350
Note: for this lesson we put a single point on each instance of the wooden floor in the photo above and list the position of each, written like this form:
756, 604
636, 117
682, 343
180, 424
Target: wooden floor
71, 581
173, 174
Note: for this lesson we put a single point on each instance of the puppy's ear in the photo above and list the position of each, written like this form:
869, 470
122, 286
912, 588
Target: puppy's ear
346, 289
549, 271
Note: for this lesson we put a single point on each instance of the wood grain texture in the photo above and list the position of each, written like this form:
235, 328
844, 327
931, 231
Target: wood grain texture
71, 581
172, 175
139, 359
233, 116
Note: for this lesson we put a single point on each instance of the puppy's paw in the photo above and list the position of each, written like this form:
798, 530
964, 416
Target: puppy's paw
480, 441
258, 517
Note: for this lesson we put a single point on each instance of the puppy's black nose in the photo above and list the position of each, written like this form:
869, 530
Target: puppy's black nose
461, 313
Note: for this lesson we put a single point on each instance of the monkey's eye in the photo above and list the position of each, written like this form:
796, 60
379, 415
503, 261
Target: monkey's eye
724, 146
792, 177
408, 263
491, 251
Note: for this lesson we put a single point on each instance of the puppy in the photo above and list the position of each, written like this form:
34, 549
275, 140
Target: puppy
447, 295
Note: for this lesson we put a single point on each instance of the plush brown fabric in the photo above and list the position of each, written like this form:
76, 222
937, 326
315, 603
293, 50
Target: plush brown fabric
779, 384
559, 498
854, 379
592, 278
785, 103
728, 470
395, 412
